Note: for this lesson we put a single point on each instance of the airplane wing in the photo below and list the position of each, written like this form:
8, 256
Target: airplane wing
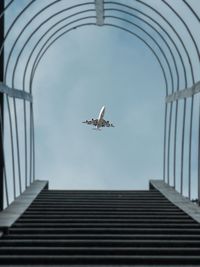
107, 124
92, 122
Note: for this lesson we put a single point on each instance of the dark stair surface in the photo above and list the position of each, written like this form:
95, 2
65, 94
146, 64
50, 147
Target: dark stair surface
102, 228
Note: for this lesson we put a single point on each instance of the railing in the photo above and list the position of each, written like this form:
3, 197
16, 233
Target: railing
37, 25
179, 174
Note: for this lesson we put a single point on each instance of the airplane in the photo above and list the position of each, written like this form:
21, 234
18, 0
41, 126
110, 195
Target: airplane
100, 122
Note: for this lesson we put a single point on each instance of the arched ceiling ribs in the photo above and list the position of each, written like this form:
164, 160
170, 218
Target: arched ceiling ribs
38, 27
154, 40
40, 24
6, 7
192, 10
185, 25
174, 30
162, 28
44, 35
189, 32
41, 54
28, 24
22, 32
56, 25
14, 22
170, 44
20, 53
157, 32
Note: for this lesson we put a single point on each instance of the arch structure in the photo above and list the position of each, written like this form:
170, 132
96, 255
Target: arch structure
169, 29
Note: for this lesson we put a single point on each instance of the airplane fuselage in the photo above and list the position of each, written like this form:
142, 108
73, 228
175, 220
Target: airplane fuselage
100, 117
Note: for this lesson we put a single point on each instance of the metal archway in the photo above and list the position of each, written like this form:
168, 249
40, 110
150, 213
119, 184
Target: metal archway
178, 61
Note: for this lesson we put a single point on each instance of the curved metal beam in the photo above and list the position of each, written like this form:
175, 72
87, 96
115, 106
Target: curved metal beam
162, 51
28, 23
38, 59
6, 7
13, 23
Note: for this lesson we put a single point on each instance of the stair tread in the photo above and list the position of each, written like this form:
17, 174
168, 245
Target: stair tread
68, 227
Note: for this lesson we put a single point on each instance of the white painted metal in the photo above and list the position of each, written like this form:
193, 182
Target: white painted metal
185, 93
15, 92
99, 4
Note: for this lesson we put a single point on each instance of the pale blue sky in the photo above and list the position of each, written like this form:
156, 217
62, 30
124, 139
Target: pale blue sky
86, 69
90, 73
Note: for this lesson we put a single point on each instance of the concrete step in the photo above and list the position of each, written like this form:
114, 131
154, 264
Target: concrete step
99, 259
95, 250
100, 243
87, 237
48, 220
105, 230
115, 228
106, 212
107, 225
83, 216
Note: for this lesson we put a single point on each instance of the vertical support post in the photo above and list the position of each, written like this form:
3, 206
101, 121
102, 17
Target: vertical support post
169, 143
199, 158
182, 146
190, 148
175, 139
164, 149
1, 105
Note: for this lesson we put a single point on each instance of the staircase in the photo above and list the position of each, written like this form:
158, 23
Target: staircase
101, 228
